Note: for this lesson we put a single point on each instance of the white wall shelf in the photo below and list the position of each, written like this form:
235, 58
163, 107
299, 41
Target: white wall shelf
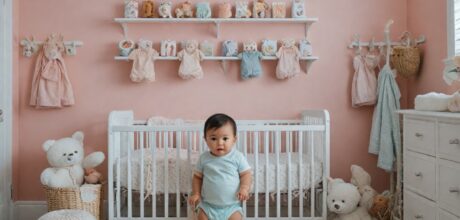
216, 21
309, 60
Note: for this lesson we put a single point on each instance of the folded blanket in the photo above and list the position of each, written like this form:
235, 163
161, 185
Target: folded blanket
159, 120
432, 102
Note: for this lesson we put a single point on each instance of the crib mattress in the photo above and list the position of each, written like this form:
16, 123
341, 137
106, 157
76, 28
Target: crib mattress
184, 174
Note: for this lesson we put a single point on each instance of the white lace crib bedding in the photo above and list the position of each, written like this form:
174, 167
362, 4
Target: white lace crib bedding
183, 177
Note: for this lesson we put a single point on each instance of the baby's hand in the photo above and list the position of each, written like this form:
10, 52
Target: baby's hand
243, 195
194, 199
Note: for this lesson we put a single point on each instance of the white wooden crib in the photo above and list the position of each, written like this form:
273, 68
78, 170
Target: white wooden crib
150, 166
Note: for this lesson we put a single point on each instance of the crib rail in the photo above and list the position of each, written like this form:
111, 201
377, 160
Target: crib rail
150, 167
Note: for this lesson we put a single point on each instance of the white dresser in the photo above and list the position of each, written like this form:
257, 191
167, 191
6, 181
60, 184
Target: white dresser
431, 165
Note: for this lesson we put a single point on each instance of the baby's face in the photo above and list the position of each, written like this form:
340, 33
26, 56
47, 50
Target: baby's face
221, 140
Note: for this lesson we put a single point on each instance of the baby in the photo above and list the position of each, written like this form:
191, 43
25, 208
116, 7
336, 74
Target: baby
222, 175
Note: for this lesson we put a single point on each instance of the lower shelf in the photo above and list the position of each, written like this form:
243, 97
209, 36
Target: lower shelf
222, 58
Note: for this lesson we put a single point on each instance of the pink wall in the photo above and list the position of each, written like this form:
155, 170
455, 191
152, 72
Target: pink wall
435, 50
102, 84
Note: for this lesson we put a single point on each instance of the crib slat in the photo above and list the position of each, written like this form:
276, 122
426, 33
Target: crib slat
267, 198
288, 149
244, 146
111, 155
140, 142
130, 193
153, 148
312, 173
178, 176
278, 194
165, 163
256, 174
300, 148
118, 152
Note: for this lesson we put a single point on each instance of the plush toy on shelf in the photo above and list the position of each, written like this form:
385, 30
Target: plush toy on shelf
203, 10
67, 160
225, 10
288, 60
269, 47
260, 9
242, 10
279, 9
185, 10
190, 58
165, 10
148, 9
250, 61
229, 48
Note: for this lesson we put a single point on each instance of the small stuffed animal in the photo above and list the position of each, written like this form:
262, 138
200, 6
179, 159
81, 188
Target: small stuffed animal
131, 9
67, 160
225, 10
269, 47
242, 10
250, 61
165, 10
380, 207
148, 9
185, 10
279, 9
92, 176
190, 58
298, 9
260, 9
343, 199
203, 10
229, 48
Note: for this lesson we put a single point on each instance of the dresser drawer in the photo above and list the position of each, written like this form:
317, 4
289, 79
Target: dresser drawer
420, 174
419, 136
444, 215
418, 208
449, 141
449, 186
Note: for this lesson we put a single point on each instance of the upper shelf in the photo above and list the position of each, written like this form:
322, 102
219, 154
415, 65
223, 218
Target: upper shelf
217, 21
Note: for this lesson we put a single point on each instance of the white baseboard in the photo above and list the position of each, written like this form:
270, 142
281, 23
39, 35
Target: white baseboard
28, 210
31, 210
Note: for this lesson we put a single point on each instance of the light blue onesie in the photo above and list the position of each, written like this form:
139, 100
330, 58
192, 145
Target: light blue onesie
250, 64
221, 183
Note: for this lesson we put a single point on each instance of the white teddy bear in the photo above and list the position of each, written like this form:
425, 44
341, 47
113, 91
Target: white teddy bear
66, 157
343, 199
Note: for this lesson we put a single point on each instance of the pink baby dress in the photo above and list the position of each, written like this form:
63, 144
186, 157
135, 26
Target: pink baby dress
143, 66
190, 67
364, 87
51, 86
288, 62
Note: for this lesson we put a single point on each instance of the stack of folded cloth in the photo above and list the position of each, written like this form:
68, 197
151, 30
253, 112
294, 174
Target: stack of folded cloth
438, 102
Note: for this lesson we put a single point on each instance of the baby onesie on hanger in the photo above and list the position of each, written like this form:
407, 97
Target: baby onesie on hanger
143, 65
250, 64
364, 87
190, 67
288, 62
51, 86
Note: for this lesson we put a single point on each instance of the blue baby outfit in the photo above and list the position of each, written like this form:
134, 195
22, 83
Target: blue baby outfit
250, 64
221, 182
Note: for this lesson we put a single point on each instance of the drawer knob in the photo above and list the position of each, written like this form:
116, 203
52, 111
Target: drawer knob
454, 141
454, 190
418, 174
418, 134
418, 216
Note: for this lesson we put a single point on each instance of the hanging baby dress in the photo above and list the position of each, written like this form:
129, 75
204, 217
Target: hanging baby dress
190, 67
364, 87
51, 86
143, 66
288, 63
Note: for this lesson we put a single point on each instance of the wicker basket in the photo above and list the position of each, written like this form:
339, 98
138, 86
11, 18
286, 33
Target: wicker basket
406, 59
87, 197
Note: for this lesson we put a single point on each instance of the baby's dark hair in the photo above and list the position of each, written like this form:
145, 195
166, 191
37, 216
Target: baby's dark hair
217, 121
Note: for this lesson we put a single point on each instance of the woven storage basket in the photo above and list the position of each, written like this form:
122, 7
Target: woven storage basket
406, 60
87, 197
